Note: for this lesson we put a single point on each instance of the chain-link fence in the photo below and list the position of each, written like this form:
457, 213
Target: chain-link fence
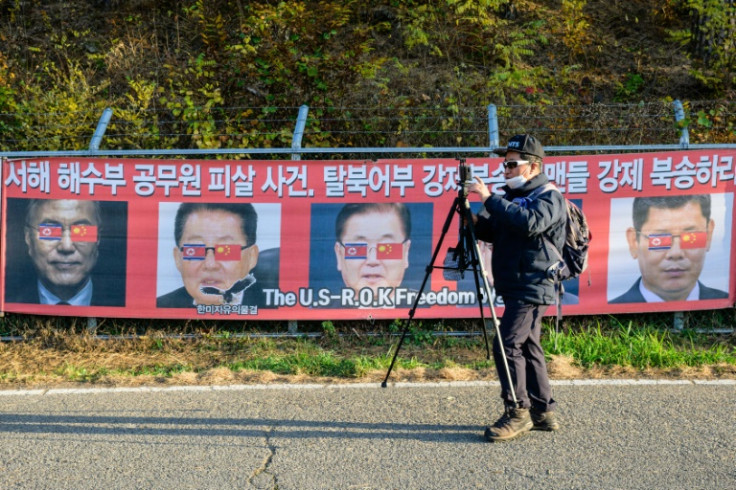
370, 132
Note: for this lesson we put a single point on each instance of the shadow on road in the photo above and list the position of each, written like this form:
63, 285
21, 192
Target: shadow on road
236, 427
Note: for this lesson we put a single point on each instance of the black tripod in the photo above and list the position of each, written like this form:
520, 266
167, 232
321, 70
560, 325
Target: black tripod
467, 254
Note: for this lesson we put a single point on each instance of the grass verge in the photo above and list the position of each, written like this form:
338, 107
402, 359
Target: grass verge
61, 351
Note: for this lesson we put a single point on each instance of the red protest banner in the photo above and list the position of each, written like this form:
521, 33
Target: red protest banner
342, 239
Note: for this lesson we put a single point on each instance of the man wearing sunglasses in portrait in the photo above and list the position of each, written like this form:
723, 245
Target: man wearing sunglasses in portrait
372, 242
215, 253
669, 239
63, 238
522, 267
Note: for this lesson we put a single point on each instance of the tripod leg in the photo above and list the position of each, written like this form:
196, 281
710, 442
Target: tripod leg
384, 383
475, 261
480, 269
430, 267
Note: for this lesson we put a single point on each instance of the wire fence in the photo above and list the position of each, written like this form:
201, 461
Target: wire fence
366, 132
369, 132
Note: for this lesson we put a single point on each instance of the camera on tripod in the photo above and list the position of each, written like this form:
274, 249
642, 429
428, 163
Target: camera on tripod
465, 256
458, 259
465, 176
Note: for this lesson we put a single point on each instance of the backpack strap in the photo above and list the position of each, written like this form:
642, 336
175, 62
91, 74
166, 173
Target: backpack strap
548, 243
559, 289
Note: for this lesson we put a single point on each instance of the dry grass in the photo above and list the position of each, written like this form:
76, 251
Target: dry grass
62, 357
32, 367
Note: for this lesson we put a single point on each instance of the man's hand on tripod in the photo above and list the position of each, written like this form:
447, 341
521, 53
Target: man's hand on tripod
474, 218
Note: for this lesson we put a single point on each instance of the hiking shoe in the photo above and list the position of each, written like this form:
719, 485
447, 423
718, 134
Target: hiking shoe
513, 423
544, 421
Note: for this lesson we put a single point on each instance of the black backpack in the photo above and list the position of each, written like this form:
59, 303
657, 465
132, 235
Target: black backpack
573, 259
574, 254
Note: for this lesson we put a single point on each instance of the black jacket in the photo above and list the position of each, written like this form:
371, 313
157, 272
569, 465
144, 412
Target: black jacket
515, 227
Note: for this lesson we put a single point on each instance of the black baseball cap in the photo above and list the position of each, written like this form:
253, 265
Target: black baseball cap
523, 143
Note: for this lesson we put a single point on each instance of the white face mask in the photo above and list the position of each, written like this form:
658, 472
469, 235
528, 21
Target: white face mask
516, 182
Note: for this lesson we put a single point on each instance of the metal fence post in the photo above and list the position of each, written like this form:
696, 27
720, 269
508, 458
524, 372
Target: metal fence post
492, 126
296, 140
680, 116
678, 318
94, 145
296, 144
679, 321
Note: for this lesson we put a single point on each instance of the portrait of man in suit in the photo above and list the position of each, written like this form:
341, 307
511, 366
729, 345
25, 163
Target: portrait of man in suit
369, 254
216, 255
65, 240
669, 239
372, 243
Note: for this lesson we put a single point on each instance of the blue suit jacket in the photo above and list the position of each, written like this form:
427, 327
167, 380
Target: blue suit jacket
106, 291
633, 295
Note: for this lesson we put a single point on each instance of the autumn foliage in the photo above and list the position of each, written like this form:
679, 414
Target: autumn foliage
232, 73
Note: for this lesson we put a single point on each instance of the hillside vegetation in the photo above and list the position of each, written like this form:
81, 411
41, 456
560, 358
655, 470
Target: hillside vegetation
230, 73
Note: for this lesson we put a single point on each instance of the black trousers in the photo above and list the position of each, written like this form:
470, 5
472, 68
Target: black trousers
521, 330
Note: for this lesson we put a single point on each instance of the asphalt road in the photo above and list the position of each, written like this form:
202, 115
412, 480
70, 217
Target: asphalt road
616, 435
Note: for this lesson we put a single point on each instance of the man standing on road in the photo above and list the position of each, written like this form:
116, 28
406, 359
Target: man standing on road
516, 224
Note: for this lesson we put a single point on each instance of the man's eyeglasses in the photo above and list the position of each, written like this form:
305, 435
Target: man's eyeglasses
384, 251
53, 232
223, 252
688, 240
512, 164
